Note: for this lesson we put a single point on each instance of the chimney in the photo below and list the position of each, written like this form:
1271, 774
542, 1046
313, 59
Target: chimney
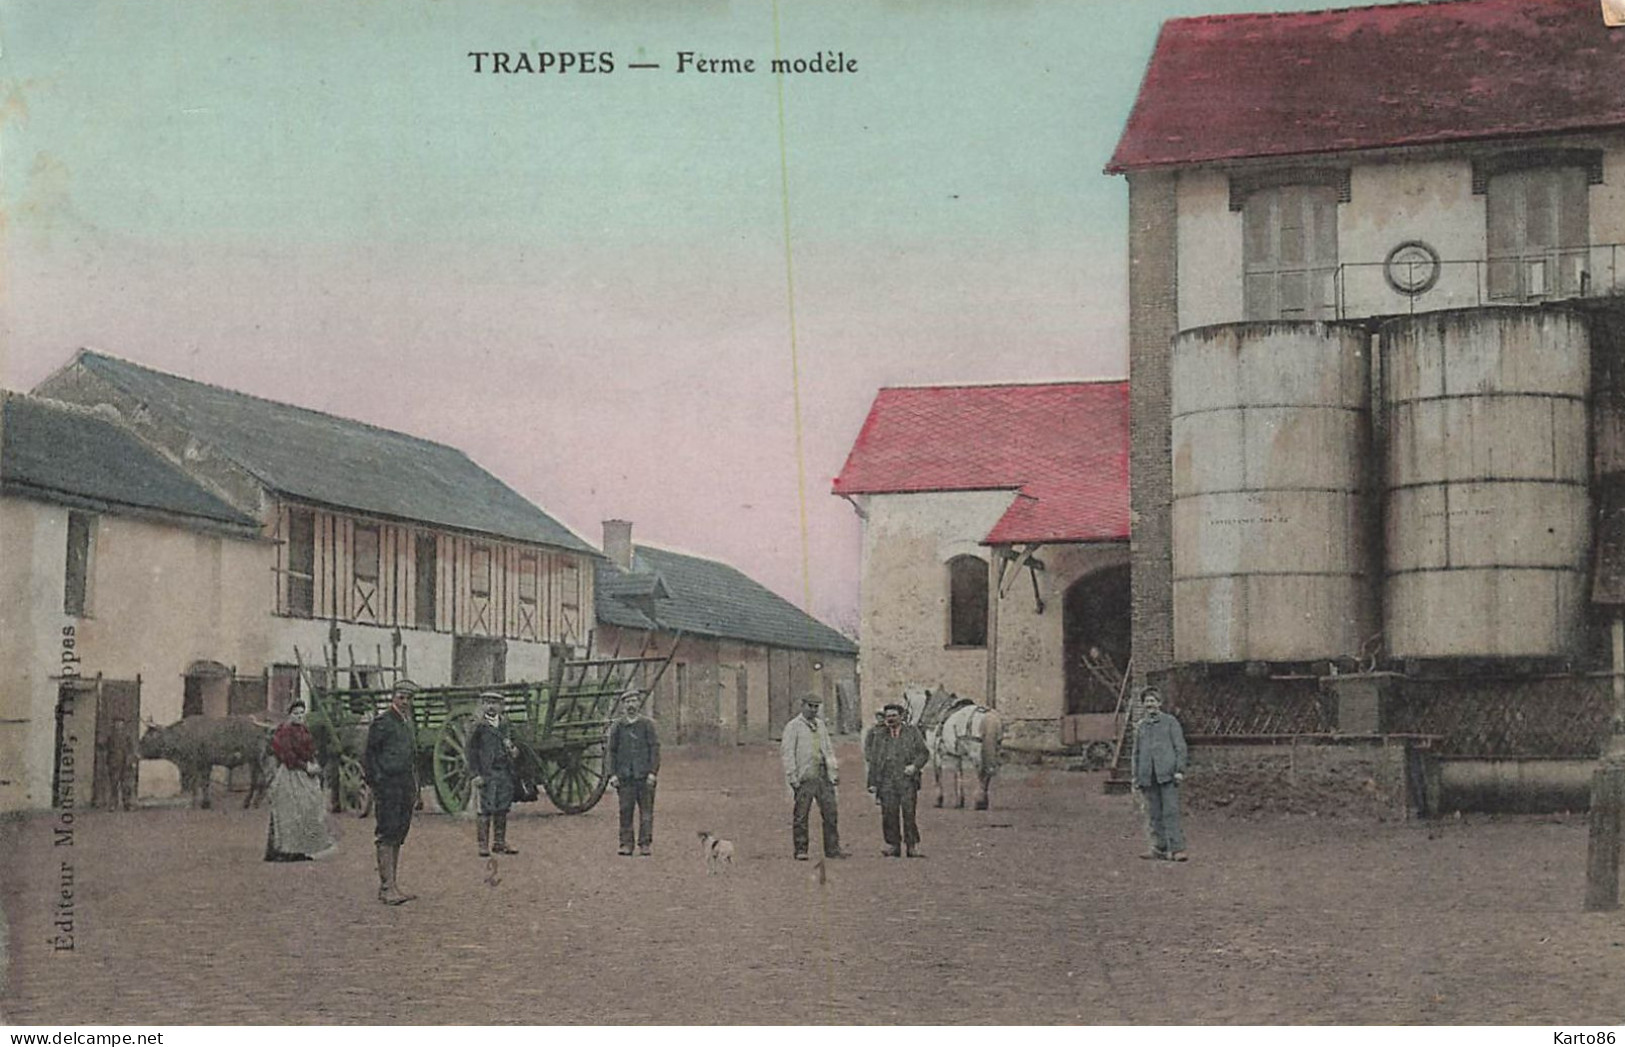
618, 543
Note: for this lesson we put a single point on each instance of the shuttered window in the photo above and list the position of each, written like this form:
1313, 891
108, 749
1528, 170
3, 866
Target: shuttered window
426, 555
76, 587
1539, 230
1290, 253
479, 570
301, 562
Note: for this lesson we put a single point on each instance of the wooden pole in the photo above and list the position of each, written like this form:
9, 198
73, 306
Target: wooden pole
1608, 796
1602, 855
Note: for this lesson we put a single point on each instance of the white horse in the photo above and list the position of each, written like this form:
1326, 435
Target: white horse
961, 735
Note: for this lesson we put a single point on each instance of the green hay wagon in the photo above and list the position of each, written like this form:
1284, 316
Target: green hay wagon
559, 726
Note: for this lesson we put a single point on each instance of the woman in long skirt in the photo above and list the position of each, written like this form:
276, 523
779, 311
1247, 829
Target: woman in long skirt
298, 806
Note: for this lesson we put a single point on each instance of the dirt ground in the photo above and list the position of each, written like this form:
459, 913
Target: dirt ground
1038, 911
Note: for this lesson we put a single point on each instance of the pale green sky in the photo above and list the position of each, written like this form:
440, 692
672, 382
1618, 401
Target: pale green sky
579, 279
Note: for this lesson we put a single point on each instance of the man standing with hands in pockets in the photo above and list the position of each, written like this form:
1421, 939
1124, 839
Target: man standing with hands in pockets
1159, 768
811, 772
634, 764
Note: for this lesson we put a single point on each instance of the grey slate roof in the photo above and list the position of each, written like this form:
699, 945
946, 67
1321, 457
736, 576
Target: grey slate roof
707, 598
71, 454
335, 461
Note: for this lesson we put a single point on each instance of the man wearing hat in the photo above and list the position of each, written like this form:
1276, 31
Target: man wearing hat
1159, 768
490, 760
897, 758
634, 765
390, 767
810, 769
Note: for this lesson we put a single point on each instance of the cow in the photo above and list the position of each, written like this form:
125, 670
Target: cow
198, 744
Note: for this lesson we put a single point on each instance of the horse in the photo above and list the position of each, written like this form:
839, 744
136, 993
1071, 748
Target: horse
960, 735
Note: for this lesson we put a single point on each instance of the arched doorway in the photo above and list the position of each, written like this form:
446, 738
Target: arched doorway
1095, 617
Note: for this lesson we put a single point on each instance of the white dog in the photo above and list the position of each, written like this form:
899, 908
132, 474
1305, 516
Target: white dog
716, 852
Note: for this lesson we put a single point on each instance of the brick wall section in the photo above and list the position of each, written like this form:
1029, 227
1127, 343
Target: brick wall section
1153, 322
1353, 780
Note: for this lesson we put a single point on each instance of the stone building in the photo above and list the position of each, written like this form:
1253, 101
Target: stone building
389, 549
744, 655
995, 549
1369, 253
122, 578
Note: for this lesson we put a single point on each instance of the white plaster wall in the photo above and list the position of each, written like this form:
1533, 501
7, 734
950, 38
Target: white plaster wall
160, 597
1209, 251
34, 538
1392, 203
907, 542
1389, 203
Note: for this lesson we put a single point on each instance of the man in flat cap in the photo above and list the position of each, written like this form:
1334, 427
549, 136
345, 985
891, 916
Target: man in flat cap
1159, 769
810, 770
897, 757
634, 765
390, 767
491, 762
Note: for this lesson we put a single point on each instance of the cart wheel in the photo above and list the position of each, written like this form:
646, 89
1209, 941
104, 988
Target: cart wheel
354, 792
575, 778
453, 785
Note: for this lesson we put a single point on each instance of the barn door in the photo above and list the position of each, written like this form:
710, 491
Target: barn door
741, 704
75, 709
778, 691
118, 716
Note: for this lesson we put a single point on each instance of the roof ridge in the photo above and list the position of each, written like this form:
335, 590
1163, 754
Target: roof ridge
1241, 16
96, 353
1036, 384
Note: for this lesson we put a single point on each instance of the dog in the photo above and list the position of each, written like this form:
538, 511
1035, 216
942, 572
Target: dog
716, 851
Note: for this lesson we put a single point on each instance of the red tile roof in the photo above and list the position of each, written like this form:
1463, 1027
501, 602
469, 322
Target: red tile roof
1063, 446
1267, 85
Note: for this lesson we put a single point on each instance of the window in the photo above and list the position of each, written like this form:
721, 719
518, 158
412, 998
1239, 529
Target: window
1289, 250
427, 557
1539, 231
479, 570
366, 554
364, 569
527, 579
967, 602
76, 587
301, 562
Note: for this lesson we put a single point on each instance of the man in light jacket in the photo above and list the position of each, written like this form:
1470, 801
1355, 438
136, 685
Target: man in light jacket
811, 772
1159, 768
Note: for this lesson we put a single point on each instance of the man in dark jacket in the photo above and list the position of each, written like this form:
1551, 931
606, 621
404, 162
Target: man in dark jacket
634, 763
1159, 768
491, 763
897, 755
390, 767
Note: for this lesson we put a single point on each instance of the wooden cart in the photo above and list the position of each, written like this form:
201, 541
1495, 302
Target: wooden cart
559, 726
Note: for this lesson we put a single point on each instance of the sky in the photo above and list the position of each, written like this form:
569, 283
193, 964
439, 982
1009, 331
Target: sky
612, 290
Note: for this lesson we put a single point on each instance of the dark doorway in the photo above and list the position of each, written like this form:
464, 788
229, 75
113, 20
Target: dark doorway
478, 660
1095, 618
741, 704
207, 690
118, 716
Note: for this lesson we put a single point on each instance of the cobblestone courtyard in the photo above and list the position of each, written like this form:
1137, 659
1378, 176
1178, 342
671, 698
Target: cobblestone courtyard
1035, 912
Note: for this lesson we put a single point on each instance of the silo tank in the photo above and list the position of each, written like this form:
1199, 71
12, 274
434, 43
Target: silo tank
1271, 560
1488, 520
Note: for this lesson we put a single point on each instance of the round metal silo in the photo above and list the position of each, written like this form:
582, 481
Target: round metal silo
1271, 560
1488, 518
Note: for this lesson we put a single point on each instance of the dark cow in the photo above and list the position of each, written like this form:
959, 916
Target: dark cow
198, 744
